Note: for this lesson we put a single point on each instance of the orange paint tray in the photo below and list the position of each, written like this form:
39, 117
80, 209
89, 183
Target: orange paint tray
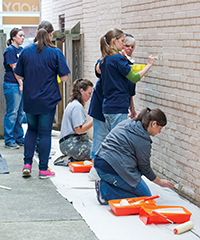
151, 214
120, 210
79, 167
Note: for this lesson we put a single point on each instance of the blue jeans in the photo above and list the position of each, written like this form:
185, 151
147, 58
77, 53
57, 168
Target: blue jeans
114, 187
38, 125
112, 120
99, 133
13, 131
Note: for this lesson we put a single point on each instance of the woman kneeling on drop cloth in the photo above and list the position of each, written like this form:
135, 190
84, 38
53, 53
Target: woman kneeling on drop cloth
124, 156
74, 141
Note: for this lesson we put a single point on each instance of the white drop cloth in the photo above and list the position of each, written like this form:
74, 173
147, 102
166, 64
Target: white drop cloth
78, 189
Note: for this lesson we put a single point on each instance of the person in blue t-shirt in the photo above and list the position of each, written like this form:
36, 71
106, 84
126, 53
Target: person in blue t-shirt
39, 64
115, 74
13, 131
100, 130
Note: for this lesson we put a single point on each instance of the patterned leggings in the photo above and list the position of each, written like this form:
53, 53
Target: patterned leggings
78, 147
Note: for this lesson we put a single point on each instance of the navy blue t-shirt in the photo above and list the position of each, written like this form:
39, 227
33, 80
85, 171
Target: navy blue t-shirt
95, 108
39, 70
11, 56
115, 84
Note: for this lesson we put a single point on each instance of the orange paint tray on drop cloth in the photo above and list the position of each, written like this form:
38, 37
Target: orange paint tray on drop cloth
176, 214
79, 167
120, 210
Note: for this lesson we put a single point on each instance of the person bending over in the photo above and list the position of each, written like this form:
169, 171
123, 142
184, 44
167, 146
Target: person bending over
124, 156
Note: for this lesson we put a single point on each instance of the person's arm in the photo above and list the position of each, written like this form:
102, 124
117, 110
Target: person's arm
64, 78
83, 128
19, 79
163, 182
132, 109
151, 61
135, 77
98, 70
12, 65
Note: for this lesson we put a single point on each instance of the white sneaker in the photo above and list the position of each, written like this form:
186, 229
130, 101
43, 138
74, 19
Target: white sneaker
93, 175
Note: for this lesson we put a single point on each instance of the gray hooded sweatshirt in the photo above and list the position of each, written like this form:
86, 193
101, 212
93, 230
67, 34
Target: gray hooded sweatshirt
127, 148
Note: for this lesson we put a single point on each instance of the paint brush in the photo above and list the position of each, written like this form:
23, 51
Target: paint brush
178, 186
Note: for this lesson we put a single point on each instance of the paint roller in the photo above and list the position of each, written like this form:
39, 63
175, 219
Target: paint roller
182, 228
144, 199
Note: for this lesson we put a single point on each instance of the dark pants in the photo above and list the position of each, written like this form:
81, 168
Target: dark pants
41, 126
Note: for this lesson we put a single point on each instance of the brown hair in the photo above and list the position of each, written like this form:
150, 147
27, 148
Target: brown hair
105, 42
77, 85
43, 39
147, 115
13, 33
46, 25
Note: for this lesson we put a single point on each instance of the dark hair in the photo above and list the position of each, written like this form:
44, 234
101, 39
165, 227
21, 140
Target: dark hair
147, 115
43, 39
77, 85
13, 33
46, 25
105, 41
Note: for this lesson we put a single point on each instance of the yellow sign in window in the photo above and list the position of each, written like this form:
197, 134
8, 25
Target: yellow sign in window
21, 6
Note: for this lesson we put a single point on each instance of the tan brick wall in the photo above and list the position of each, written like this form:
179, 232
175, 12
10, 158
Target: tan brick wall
171, 30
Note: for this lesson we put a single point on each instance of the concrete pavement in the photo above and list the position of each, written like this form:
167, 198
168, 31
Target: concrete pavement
33, 209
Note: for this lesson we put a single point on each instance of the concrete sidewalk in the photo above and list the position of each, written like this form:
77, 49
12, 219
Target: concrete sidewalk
33, 209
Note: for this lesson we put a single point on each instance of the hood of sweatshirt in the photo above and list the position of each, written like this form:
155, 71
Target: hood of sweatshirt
137, 129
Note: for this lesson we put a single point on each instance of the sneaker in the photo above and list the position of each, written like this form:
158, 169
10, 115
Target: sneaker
26, 171
46, 174
93, 175
12, 146
20, 144
99, 197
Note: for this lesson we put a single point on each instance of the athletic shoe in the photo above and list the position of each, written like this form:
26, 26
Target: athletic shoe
46, 174
12, 146
26, 171
99, 197
93, 175
21, 144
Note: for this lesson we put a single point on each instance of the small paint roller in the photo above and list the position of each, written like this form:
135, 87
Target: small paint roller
184, 227
125, 202
145, 199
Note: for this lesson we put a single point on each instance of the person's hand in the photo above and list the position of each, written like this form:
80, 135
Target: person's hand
163, 182
151, 59
166, 183
21, 88
133, 113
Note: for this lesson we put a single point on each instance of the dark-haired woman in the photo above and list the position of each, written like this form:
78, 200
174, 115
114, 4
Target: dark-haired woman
13, 131
74, 141
39, 64
124, 157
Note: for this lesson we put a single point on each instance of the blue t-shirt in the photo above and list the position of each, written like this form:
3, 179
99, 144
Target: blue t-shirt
11, 56
39, 70
95, 108
115, 84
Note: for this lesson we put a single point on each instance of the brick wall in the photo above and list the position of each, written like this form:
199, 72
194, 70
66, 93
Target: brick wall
171, 30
